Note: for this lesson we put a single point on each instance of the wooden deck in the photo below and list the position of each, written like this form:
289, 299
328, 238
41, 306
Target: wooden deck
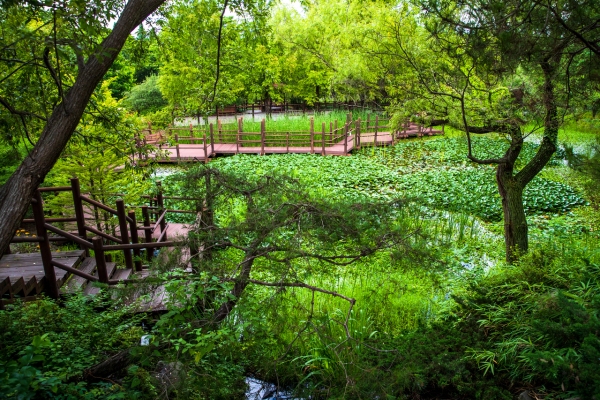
191, 152
22, 275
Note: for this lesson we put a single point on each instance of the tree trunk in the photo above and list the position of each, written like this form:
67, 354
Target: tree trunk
511, 186
17, 192
515, 222
238, 288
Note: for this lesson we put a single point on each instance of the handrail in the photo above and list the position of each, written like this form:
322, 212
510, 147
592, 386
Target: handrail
74, 271
64, 219
132, 246
21, 239
74, 238
56, 189
159, 220
145, 196
98, 204
176, 211
162, 234
102, 206
104, 235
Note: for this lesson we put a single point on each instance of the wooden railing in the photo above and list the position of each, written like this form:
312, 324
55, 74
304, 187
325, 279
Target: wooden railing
317, 140
128, 229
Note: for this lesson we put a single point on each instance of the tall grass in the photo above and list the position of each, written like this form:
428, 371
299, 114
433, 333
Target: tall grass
284, 123
392, 298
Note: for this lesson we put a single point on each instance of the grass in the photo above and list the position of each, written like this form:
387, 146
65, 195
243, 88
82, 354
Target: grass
297, 126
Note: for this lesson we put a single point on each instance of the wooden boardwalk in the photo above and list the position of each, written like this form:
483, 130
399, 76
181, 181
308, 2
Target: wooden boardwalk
192, 144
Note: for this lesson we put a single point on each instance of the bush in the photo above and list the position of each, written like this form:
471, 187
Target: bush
44, 347
146, 97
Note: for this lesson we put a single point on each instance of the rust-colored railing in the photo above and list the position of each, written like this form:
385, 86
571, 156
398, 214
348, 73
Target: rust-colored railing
128, 229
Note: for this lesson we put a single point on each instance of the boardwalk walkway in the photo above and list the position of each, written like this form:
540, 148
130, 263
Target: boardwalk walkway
193, 144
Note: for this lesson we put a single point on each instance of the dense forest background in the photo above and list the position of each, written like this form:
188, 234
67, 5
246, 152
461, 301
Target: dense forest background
462, 267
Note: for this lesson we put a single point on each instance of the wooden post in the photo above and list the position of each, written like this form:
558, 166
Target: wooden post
135, 239
161, 208
205, 148
78, 206
312, 135
40, 221
357, 132
147, 233
124, 232
217, 113
212, 140
368, 121
376, 128
192, 133
323, 140
219, 125
253, 111
335, 128
331, 133
262, 137
238, 136
443, 126
100, 260
346, 139
348, 118
287, 148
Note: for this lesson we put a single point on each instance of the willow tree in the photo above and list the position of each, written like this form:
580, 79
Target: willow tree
497, 67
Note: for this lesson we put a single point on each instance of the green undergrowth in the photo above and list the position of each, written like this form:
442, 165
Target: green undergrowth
45, 346
530, 326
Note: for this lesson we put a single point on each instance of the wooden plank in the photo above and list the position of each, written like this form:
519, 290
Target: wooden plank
121, 274
91, 290
55, 254
30, 285
17, 285
76, 282
5, 286
6, 302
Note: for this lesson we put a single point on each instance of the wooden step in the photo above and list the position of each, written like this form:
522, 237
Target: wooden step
90, 289
76, 282
121, 274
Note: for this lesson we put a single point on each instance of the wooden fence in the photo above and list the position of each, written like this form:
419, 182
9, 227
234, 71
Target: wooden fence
335, 139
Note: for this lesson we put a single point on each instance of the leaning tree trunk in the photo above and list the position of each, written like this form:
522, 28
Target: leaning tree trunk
17, 192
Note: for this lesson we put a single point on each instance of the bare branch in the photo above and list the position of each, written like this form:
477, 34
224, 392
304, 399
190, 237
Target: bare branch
12, 110
54, 76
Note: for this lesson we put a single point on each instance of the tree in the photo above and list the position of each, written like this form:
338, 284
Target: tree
94, 162
265, 231
146, 97
207, 55
83, 25
499, 67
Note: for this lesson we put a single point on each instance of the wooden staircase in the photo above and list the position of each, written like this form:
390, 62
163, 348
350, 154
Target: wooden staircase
76, 283
22, 275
